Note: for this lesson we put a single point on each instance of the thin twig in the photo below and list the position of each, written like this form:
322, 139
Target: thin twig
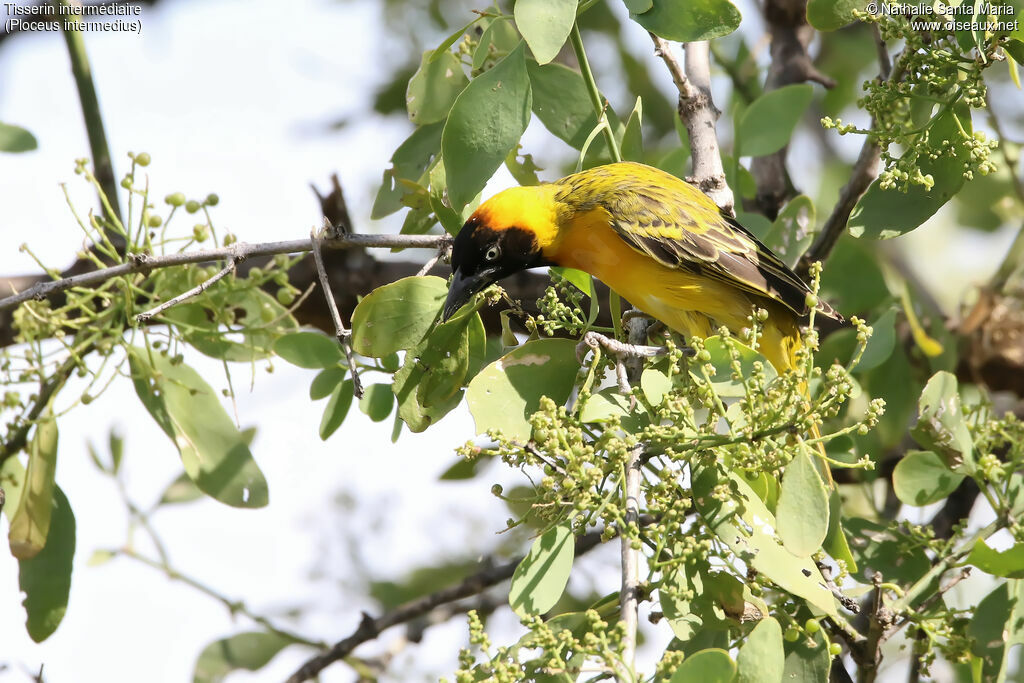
429, 265
195, 291
629, 599
144, 263
576, 40
233, 606
620, 350
845, 600
343, 335
369, 628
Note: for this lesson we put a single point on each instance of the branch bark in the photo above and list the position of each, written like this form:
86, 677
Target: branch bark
698, 113
369, 628
791, 63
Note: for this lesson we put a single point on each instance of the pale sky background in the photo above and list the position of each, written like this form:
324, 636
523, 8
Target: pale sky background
232, 97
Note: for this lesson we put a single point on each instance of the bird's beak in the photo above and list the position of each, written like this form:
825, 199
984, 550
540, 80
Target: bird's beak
462, 290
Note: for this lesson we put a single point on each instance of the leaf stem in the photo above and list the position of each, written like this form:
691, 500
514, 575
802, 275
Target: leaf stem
595, 94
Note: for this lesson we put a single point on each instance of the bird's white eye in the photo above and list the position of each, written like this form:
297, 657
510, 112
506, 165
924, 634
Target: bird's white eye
493, 253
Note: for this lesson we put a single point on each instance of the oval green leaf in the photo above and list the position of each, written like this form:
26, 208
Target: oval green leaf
707, 666
484, 125
396, 316
46, 578
311, 350
249, 651
883, 214
16, 139
377, 402
753, 537
215, 454
1008, 563
940, 425
561, 102
434, 87
802, 512
829, 15
922, 478
325, 382
508, 391
337, 409
767, 124
539, 580
691, 20
761, 659
545, 24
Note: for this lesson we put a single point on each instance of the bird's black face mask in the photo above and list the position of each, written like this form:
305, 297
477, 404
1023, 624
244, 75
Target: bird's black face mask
482, 255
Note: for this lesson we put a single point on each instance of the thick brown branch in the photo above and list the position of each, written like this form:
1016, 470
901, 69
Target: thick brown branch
791, 63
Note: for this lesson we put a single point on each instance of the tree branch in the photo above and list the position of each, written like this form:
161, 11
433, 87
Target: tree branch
344, 336
698, 113
369, 628
239, 251
791, 63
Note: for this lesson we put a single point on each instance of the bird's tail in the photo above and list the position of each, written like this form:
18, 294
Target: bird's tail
780, 345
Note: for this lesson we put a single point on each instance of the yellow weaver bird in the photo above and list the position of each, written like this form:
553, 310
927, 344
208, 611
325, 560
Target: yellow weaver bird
654, 239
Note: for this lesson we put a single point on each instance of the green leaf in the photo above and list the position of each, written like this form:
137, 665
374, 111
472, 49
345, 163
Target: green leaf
684, 616
498, 39
508, 391
632, 138
802, 512
807, 660
409, 163
722, 380
767, 124
996, 627
922, 478
46, 578
836, 543
761, 658
881, 344
829, 15
325, 382
311, 350
941, 426
689, 21
337, 408
706, 666
395, 317
655, 384
749, 530
545, 24
878, 548
434, 87
793, 230
484, 125
883, 214
428, 384
30, 523
540, 579
16, 139
561, 102
181, 490
377, 402
215, 454
249, 651
1008, 563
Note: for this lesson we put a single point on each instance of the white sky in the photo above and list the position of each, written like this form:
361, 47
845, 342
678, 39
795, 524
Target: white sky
229, 97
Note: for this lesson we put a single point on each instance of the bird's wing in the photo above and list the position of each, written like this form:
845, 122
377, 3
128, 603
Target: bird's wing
680, 227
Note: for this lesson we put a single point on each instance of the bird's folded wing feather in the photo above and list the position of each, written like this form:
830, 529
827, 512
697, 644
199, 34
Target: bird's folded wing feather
684, 229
